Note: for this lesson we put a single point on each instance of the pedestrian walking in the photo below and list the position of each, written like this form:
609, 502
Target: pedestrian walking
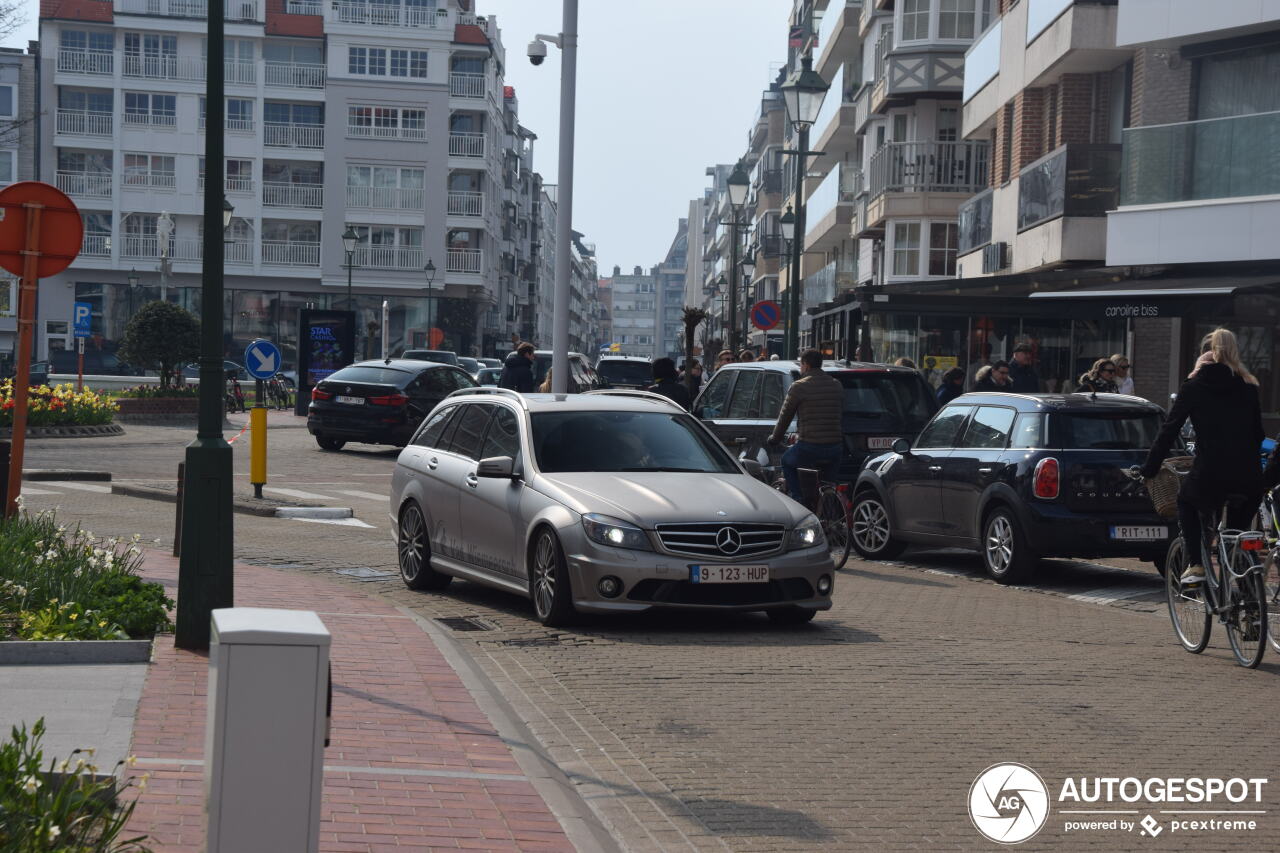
1100, 379
668, 385
725, 357
1023, 378
517, 370
1124, 381
952, 385
545, 387
992, 377
746, 355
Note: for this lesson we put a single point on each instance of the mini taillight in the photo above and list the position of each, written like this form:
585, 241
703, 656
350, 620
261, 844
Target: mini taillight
389, 400
1046, 478
317, 394
1252, 543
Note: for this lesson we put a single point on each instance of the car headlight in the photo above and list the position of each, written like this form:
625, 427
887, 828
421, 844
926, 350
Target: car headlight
806, 534
604, 530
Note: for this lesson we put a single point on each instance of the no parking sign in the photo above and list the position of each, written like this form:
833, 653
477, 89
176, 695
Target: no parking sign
766, 314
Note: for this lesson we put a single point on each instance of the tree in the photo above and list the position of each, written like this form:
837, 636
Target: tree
161, 335
692, 317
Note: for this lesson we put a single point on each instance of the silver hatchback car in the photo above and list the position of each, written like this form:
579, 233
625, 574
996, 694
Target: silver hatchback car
610, 501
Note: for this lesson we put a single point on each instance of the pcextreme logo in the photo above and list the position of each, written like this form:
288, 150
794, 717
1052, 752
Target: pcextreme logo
1008, 803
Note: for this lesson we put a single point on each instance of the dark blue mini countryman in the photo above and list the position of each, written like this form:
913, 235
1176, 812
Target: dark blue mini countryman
1017, 477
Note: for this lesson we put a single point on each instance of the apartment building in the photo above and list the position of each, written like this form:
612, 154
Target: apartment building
390, 120
716, 212
764, 161
17, 158
635, 312
669, 282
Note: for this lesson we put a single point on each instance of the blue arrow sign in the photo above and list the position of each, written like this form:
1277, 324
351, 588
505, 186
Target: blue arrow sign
82, 319
262, 359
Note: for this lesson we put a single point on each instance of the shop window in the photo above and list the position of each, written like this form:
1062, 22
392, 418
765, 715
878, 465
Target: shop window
906, 248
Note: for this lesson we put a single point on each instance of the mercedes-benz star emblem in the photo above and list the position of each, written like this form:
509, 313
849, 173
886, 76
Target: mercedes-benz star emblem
728, 540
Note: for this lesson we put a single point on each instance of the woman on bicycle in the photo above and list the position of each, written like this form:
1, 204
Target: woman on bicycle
1220, 397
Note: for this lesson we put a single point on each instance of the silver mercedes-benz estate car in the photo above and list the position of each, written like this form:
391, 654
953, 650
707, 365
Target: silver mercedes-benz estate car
600, 502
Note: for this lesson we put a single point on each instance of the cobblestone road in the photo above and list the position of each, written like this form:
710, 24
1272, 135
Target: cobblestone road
861, 731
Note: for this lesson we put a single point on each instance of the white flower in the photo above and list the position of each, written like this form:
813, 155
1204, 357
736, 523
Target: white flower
136, 538
62, 529
40, 545
63, 765
134, 550
157, 540
54, 832
142, 782
131, 760
31, 784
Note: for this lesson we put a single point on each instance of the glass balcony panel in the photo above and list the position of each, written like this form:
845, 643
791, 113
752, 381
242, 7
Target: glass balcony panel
975, 222
982, 61
1075, 180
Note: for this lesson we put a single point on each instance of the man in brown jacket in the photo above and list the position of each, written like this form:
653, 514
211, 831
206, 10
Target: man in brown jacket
818, 399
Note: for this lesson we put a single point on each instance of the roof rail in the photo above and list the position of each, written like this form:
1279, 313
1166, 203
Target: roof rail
643, 395
486, 389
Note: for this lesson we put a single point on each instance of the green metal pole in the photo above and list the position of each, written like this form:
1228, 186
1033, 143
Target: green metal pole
733, 282
797, 247
204, 573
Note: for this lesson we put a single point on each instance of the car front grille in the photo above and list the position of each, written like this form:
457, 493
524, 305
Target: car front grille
721, 540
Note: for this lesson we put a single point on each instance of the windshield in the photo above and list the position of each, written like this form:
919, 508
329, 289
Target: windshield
1102, 431
625, 441
889, 402
626, 372
368, 375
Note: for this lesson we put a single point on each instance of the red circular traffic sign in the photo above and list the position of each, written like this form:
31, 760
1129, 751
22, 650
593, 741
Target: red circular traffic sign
61, 228
766, 314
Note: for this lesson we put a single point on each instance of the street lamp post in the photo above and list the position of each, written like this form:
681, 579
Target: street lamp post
802, 94
205, 580
739, 183
430, 271
349, 238
749, 275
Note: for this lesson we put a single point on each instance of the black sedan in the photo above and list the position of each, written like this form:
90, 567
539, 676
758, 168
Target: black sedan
379, 402
1017, 477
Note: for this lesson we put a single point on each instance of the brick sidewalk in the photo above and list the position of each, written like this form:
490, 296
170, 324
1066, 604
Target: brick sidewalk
414, 763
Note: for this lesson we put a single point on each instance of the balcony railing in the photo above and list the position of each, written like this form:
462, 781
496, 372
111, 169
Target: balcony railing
138, 180
304, 7
975, 221
164, 67
91, 184
884, 44
239, 252
96, 245
385, 132
772, 182
85, 123
467, 85
150, 120
235, 10
466, 204
466, 144
295, 75
287, 253
382, 15
279, 194
86, 61
388, 257
140, 246
1075, 180
386, 198
245, 73
463, 260
929, 167
1194, 160
288, 135
232, 185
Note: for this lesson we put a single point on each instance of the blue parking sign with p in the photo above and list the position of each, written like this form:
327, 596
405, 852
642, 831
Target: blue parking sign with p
82, 319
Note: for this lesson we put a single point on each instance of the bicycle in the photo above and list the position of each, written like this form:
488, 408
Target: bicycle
1232, 589
825, 499
1269, 522
277, 393
234, 394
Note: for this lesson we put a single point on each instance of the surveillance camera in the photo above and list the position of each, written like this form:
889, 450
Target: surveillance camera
537, 52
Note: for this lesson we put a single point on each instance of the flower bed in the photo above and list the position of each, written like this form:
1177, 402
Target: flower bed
151, 392
60, 584
60, 405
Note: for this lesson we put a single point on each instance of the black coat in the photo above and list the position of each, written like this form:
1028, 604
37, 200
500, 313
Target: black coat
1090, 385
1227, 416
1023, 380
673, 390
517, 374
948, 392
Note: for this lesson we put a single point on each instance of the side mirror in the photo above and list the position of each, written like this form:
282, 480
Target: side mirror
754, 468
902, 446
497, 467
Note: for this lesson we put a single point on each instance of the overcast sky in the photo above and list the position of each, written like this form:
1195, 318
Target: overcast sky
665, 89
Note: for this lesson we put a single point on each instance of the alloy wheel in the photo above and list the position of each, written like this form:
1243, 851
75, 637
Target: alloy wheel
999, 545
544, 575
412, 536
870, 526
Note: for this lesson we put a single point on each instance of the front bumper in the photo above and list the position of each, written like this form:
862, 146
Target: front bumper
1053, 530
652, 580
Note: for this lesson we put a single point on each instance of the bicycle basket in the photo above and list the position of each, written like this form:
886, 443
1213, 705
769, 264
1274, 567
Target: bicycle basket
1163, 487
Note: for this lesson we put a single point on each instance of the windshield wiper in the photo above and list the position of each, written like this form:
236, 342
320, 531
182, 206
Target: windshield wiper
669, 470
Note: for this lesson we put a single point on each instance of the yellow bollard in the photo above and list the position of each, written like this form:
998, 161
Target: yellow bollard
258, 446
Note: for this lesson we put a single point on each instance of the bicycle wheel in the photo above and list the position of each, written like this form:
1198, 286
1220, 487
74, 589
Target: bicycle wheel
833, 514
1271, 587
1246, 617
1190, 617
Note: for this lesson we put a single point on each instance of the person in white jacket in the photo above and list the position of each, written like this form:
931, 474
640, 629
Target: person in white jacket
1123, 378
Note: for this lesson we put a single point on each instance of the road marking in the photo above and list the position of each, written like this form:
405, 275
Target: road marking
29, 491
343, 522
296, 493
1106, 595
369, 495
85, 487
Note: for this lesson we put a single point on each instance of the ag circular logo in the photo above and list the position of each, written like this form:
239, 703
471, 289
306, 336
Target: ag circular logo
1008, 803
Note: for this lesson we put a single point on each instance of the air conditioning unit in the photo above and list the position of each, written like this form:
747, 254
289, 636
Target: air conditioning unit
995, 257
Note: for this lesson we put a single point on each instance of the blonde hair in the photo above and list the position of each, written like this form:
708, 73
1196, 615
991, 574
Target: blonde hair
1226, 350
545, 387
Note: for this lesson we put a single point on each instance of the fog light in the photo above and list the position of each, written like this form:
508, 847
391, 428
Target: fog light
610, 587
824, 585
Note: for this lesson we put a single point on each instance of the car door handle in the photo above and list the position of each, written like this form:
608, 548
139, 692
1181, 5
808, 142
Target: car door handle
935, 467
742, 439
985, 470
473, 480
432, 463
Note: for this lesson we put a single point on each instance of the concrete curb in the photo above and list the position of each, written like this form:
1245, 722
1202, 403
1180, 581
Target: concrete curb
68, 431
47, 474
45, 652
313, 512
247, 506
